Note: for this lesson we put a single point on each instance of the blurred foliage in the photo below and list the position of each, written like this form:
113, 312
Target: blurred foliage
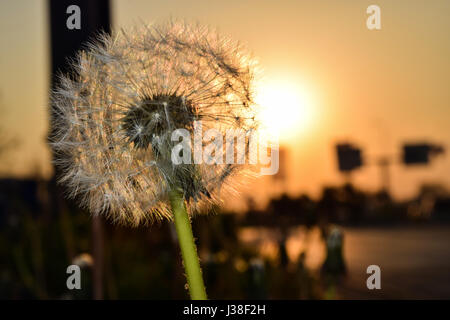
41, 234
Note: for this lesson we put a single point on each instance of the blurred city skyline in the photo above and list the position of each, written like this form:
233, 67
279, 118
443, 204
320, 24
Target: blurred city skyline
339, 81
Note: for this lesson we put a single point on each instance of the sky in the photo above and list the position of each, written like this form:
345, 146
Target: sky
334, 79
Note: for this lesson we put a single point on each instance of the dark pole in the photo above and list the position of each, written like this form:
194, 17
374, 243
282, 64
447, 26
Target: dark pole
94, 17
384, 163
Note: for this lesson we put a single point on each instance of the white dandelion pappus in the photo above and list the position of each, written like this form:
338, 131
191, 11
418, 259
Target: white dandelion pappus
114, 116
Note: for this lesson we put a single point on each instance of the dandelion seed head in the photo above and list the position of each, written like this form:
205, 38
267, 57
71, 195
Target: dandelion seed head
113, 117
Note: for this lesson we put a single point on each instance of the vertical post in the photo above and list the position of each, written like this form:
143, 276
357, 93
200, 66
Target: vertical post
281, 175
65, 42
97, 251
384, 163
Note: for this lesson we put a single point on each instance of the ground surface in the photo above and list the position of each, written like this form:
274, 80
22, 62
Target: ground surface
414, 262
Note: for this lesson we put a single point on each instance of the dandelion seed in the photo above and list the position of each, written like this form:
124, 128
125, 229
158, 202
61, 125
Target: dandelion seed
116, 113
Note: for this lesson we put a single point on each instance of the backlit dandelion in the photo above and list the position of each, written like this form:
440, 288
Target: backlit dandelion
114, 118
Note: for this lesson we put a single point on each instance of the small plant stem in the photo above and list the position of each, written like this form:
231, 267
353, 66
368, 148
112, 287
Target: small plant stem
187, 246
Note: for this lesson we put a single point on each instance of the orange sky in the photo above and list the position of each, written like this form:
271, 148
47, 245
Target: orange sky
376, 88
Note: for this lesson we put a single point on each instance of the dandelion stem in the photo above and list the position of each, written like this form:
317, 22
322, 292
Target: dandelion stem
187, 246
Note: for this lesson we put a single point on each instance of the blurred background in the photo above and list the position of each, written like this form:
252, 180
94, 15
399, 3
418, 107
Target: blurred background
363, 121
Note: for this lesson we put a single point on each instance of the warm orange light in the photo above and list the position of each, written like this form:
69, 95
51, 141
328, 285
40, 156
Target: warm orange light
285, 109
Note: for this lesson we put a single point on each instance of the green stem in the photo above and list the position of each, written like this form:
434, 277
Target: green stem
187, 246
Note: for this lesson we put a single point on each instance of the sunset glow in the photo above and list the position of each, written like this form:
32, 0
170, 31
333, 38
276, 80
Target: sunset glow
285, 108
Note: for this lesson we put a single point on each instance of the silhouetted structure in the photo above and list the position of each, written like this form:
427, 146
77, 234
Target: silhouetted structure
349, 157
65, 42
95, 17
420, 153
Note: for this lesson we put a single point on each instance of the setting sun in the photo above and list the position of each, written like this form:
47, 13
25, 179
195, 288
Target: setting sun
285, 109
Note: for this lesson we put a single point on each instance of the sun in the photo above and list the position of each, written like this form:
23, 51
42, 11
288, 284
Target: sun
285, 109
